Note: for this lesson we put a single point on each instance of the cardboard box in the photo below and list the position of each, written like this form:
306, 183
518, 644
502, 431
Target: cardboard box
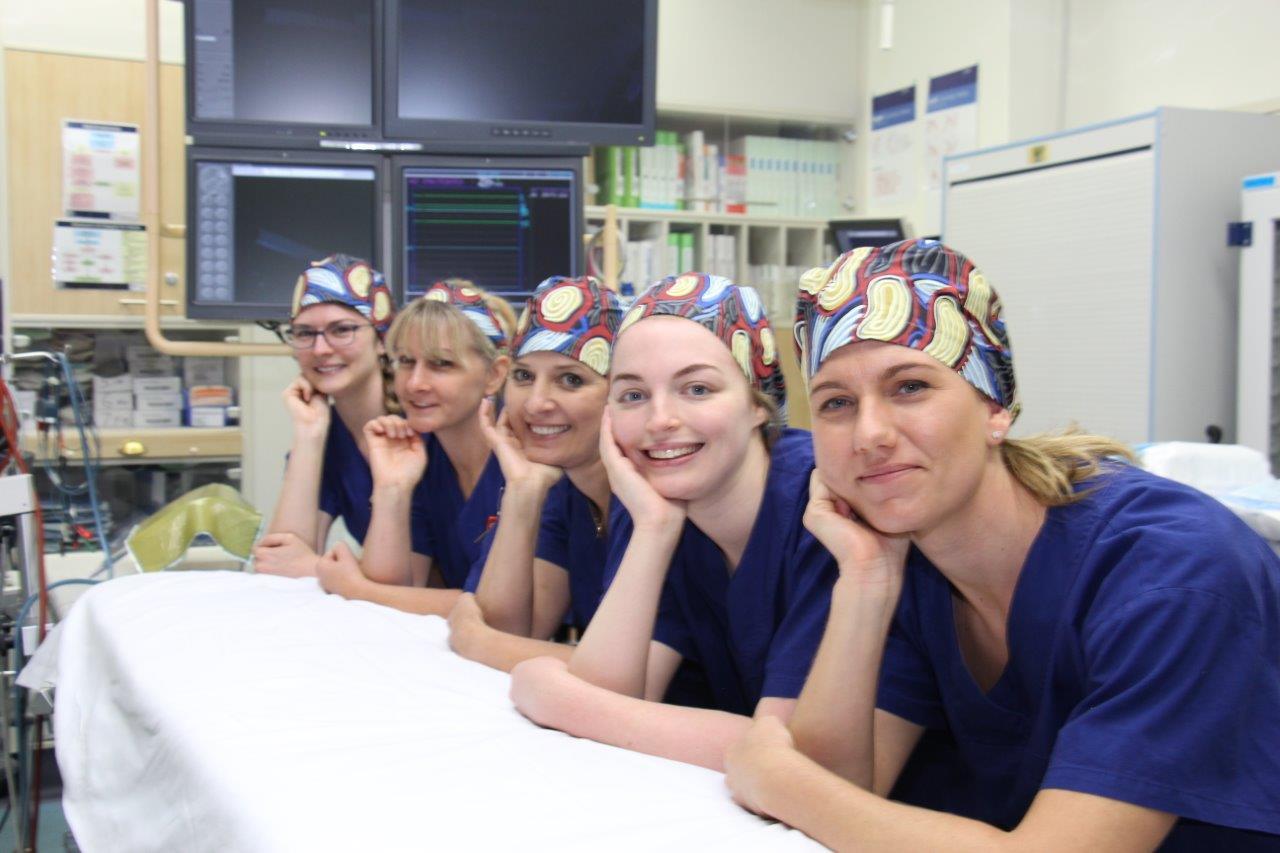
157, 385
204, 370
112, 384
157, 403
207, 416
157, 419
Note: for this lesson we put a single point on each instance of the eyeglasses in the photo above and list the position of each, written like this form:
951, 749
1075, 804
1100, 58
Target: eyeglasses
337, 334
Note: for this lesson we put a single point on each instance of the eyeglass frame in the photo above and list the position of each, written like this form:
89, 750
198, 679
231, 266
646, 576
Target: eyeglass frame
286, 334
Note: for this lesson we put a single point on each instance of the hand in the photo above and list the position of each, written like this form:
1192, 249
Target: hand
861, 552
645, 505
307, 408
753, 762
517, 470
397, 456
339, 572
466, 626
539, 686
284, 554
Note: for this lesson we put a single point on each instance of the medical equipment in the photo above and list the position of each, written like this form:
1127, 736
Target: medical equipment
1106, 244
1258, 367
216, 510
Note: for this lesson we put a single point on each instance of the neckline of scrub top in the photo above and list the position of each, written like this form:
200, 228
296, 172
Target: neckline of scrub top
1024, 616
455, 482
768, 518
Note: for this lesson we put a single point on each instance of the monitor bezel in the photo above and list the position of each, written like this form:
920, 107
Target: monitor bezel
269, 134
398, 222
515, 136
254, 313
887, 223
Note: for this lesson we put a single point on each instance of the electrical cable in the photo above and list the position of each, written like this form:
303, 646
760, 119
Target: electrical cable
90, 460
41, 595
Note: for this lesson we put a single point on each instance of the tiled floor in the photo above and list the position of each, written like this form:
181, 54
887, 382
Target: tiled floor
52, 834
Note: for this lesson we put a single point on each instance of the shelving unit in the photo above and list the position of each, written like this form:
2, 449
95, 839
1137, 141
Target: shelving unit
781, 243
774, 244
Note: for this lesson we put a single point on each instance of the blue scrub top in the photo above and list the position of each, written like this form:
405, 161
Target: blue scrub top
754, 633
1144, 666
567, 538
446, 527
346, 483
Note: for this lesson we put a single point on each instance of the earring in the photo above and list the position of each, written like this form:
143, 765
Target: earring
997, 434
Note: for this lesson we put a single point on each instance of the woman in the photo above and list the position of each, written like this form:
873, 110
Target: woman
342, 308
712, 563
547, 555
1096, 649
433, 497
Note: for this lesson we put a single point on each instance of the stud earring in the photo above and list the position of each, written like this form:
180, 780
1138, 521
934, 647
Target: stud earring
997, 434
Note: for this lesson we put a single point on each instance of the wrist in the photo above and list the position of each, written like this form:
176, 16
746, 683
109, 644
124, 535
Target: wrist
874, 599
666, 526
524, 494
310, 432
390, 493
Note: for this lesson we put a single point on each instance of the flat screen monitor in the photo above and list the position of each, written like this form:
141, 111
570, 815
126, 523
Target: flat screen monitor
504, 223
513, 73
283, 72
255, 219
850, 234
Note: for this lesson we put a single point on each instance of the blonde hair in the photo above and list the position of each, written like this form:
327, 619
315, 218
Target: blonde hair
437, 326
1050, 465
390, 401
771, 429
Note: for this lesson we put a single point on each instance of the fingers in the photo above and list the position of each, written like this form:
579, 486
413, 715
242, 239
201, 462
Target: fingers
504, 425
391, 427
488, 425
609, 450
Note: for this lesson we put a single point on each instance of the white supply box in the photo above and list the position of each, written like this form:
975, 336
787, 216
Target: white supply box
157, 385
109, 419
158, 403
112, 384
207, 416
158, 419
113, 401
203, 370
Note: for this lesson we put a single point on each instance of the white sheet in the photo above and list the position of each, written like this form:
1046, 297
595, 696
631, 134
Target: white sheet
226, 711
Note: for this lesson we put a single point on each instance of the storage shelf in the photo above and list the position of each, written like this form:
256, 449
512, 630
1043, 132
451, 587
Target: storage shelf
180, 444
114, 321
694, 217
709, 114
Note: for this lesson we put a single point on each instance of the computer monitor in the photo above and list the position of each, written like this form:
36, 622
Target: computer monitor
851, 234
255, 219
505, 223
500, 74
283, 72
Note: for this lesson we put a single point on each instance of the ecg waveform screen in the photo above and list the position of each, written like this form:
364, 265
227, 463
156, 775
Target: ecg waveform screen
506, 230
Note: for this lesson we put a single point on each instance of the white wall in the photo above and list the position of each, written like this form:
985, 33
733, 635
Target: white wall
1050, 65
115, 29
931, 37
1129, 56
760, 57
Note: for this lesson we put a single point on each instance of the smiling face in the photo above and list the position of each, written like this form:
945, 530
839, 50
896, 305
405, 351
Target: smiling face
332, 369
904, 440
442, 387
554, 404
682, 411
